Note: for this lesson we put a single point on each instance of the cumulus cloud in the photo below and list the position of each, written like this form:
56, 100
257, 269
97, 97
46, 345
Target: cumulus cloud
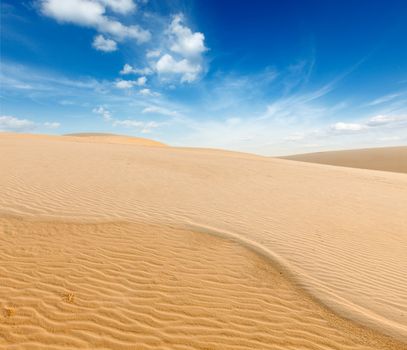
124, 84
128, 84
128, 69
102, 44
185, 42
186, 52
92, 14
168, 65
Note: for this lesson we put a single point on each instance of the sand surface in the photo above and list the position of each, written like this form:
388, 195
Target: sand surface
109, 245
386, 158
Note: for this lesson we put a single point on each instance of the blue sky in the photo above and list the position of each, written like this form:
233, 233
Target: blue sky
269, 77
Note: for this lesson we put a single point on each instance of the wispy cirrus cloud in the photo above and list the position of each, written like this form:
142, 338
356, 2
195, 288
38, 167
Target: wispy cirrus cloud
160, 110
142, 126
386, 98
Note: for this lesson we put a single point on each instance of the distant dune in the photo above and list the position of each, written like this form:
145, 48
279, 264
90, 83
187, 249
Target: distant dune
89, 138
120, 247
386, 158
113, 138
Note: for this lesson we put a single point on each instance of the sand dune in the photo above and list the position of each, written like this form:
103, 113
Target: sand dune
108, 246
112, 138
386, 158
89, 138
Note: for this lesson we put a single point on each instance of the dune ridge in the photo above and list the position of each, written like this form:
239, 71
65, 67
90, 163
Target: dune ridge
339, 231
90, 137
385, 158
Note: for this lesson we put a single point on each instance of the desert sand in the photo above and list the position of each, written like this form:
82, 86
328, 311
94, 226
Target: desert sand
385, 158
124, 245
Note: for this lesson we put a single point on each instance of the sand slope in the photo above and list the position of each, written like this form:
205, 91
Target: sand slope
386, 158
338, 234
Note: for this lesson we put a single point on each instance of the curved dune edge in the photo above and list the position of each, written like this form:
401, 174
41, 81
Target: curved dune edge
323, 295
116, 285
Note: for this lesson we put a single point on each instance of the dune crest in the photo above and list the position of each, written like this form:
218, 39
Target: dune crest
90, 138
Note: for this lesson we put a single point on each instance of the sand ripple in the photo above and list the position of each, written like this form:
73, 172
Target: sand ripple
138, 286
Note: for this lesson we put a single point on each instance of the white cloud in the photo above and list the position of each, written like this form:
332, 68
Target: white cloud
92, 14
385, 98
168, 65
124, 84
141, 81
52, 125
148, 92
382, 120
104, 112
149, 126
102, 44
120, 6
187, 48
160, 110
139, 125
128, 123
185, 42
128, 84
153, 53
128, 69
143, 127
81, 12
376, 122
9, 123
347, 127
